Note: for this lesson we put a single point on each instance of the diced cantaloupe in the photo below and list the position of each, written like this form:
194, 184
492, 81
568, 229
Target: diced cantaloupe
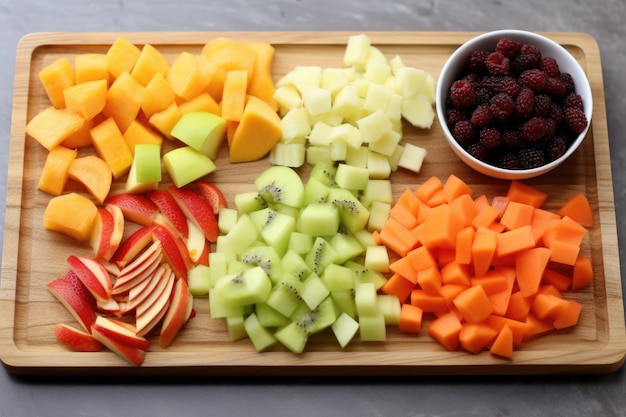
202, 102
157, 95
261, 84
216, 85
230, 54
124, 99
55, 78
90, 67
258, 131
165, 120
185, 76
81, 137
87, 98
72, 214
55, 170
234, 95
52, 126
94, 174
122, 56
150, 62
112, 147
138, 133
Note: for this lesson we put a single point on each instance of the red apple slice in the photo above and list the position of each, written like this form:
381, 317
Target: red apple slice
132, 246
136, 207
196, 242
109, 306
101, 233
73, 295
174, 250
150, 312
212, 195
170, 210
132, 354
139, 293
114, 330
76, 339
139, 269
118, 230
176, 314
93, 275
197, 210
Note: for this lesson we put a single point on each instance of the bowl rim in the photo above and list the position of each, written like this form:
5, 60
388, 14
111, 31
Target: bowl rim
441, 93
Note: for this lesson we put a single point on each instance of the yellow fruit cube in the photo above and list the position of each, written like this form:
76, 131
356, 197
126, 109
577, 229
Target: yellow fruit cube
52, 126
149, 63
138, 133
86, 98
124, 99
257, 133
202, 102
112, 147
157, 95
71, 214
90, 67
122, 56
185, 76
81, 137
165, 120
54, 174
55, 78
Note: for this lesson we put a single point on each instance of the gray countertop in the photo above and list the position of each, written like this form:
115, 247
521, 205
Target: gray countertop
527, 396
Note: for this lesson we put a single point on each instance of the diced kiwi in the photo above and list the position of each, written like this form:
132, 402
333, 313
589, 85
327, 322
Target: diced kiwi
279, 184
320, 256
265, 257
249, 287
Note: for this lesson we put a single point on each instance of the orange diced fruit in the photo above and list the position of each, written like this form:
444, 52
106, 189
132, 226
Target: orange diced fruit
54, 175
94, 174
86, 98
112, 147
71, 214
122, 56
257, 133
55, 78
52, 126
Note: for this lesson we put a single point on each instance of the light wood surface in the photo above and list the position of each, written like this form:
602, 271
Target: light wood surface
33, 256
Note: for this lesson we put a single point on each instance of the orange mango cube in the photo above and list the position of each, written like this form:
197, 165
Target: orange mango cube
122, 56
54, 174
55, 78
86, 98
124, 99
71, 214
138, 134
91, 67
52, 126
157, 95
149, 63
112, 147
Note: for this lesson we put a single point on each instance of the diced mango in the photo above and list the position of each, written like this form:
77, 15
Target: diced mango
216, 85
54, 174
185, 76
124, 99
150, 62
52, 126
230, 54
71, 214
86, 98
55, 78
122, 56
157, 95
202, 102
257, 133
261, 84
94, 174
81, 137
165, 120
91, 67
112, 147
234, 95
138, 133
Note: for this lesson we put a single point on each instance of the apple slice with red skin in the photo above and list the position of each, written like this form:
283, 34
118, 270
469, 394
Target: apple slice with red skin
152, 310
176, 314
213, 195
136, 207
174, 250
93, 275
139, 293
110, 306
76, 339
196, 243
197, 210
114, 330
73, 295
140, 269
170, 209
130, 353
132, 246
107, 231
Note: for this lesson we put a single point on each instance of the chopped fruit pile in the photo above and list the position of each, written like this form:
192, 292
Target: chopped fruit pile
354, 114
492, 275
513, 108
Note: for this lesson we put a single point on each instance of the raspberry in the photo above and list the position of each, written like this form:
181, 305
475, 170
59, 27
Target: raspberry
525, 62
508, 161
550, 127
556, 148
567, 81
508, 47
531, 50
478, 151
525, 102
530, 158
549, 66
543, 105
501, 107
502, 84
576, 119
462, 95
533, 79
476, 62
482, 95
555, 87
513, 138
573, 100
497, 64
453, 116
534, 129
489, 137
556, 114
482, 116
464, 132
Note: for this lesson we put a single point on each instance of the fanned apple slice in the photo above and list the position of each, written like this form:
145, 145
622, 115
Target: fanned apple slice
197, 210
150, 312
114, 330
170, 210
176, 314
132, 246
130, 353
93, 275
139, 269
76, 339
73, 295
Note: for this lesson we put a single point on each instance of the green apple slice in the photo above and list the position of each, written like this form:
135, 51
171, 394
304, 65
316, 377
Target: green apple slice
203, 131
185, 165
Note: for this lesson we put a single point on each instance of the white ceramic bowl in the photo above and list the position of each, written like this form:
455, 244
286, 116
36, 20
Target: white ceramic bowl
487, 41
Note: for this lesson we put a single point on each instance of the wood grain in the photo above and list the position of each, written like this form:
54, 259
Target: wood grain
32, 256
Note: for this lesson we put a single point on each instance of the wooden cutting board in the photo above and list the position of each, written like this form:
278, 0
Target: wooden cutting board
33, 256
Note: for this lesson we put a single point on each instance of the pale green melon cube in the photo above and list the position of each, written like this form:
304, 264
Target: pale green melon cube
199, 280
396, 63
236, 328
377, 258
378, 97
394, 158
318, 154
314, 291
219, 308
411, 81
300, 242
225, 246
243, 233
288, 154
318, 219
412, 157
317, 100
293, 337
334, 79
344, 329
249, 201
346, 101
295, 124
365, 299
372, 328
337, 277
219, 267
365, 237
268, 316
357, 157
343, 300
261, 338
287, 97
320, 134
306, 77
379, 213
338, 150
347, 246
378, 165
390, 306
226, 219
394, 108
378, 190
374, 126
377, 71
351, 177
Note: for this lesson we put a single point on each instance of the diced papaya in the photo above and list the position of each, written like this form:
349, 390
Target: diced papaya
52, 126
87, 99
55, 78
410, 320
54, 174
201, 102
234, 95
185, 76
81, 137
122, 56
91, 67
157, 96
150, 62
94, 174
139, 133
112, 147
257, 133
165, 120
261, 84
526, 194
71, 214
579, 209
230, 54
124, 99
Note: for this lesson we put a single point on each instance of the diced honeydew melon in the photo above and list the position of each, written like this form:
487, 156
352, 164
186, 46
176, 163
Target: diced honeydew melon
365, 299
379, 213
295, 125
374, 126
372, 328
377, 71
218, 262
220, 308
266, 258
412, 157
364, 275
236, 328
378, 190
275, 228
300, 242
322, 254
378, 97
411, 81
337, 277
378, 165
396, 63
377, 258
386, 143
199, 280
314, 291
352, 213
394, 108
347, 247
343, 300
225, 246
329, 118
315, 191
365, 237
344, 329
318, 219
288, 154
394, 158
357, 51
268, 316
357, 156
351, 177
226, 219
317, 100
287, 98
261, 338
243, 233
334, 79
338, 150
306, 77
249, 201
390, 307
237, 267
418, 110
318, 154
